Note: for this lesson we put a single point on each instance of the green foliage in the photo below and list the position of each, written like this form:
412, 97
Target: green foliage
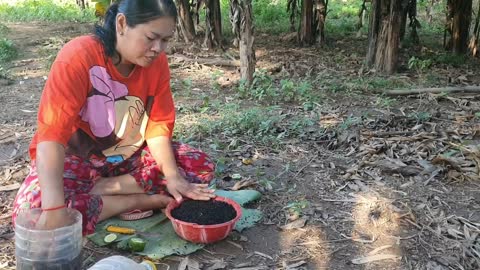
255, 123
261, 88
419, 65
263, 125
215, 75
187, 84
101, 7
477, 115
385, 102
164, 241
271, 16
350, 122
342, 9
420, 116
297, 207
7, 50
265, 88
3, 29
451, 59
372, 83
44, 10
4, 73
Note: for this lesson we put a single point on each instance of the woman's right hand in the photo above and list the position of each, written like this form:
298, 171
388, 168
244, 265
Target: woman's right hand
54, 219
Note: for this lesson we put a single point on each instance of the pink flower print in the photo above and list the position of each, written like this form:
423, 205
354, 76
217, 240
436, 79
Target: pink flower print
99, 111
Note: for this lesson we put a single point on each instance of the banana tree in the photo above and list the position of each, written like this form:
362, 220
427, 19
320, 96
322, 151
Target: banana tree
101, 7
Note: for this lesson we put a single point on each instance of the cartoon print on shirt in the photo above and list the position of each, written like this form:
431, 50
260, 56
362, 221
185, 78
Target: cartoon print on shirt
117, 121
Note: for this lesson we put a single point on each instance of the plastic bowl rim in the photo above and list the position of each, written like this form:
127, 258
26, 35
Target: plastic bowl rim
234, 204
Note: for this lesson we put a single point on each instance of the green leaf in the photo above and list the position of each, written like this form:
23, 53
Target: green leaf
166, 242
139, 225
101, 7
249, 218
242, 197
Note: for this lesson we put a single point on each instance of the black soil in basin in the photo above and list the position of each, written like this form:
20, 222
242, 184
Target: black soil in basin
204, 212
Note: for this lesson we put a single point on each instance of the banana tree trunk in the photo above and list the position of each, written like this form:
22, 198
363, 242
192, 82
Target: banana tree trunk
461, 13
185, 21
305, 33
384, 35
247, 51
320, 17
213, 22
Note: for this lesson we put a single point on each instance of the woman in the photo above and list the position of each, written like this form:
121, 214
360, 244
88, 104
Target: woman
106, 116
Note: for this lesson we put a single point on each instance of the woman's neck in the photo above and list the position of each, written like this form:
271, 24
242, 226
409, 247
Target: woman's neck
124, 67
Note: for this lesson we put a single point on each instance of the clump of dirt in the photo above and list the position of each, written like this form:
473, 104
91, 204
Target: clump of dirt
204, 212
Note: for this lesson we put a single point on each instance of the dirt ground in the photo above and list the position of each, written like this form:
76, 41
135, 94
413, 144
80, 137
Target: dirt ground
397, 188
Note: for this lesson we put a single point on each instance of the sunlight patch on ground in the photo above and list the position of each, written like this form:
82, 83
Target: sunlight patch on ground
307, 244
376, 231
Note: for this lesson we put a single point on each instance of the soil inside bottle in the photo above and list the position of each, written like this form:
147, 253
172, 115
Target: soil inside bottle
61, 264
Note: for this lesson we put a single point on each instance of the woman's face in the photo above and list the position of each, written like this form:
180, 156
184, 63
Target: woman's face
140, 45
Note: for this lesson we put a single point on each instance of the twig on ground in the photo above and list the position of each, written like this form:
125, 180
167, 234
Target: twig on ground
399, 92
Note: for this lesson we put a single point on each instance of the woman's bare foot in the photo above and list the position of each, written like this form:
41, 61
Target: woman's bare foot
115, 205
117, 185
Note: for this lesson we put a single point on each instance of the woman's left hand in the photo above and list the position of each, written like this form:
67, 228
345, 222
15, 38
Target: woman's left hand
179, 187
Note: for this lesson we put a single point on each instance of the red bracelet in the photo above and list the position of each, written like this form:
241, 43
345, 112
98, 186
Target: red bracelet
54, 208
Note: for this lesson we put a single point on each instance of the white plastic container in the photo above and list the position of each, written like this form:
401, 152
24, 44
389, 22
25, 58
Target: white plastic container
58, 249
122, 263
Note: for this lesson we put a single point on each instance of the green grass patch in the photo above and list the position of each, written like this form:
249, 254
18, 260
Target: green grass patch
4, 73
272, 16
4, 29
44, 10
262, 125
362, 84
269, 16
451, 59
344, 9
7, 50
268, 89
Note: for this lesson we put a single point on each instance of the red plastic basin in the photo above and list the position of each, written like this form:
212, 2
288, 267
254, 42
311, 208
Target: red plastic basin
206, 234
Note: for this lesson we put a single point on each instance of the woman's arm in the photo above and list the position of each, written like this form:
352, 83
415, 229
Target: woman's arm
162, 151
50, 162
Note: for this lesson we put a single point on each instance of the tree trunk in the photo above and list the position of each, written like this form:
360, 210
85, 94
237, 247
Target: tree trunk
373, 30
320, 17
185, 22
235, 21
428, 11
247, 51
292, 8
460, 24
384, 35
473, 46
305, 32
410, 12
447, 44
403, 23
213, 23
81, 3
414, 23
361, 15
197, 5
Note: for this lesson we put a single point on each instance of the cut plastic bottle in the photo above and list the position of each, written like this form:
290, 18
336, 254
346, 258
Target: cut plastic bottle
122, 263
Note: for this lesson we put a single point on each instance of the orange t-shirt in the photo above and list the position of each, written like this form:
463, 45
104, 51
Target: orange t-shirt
90, 108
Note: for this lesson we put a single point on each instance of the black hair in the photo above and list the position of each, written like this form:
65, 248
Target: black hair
136, 12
